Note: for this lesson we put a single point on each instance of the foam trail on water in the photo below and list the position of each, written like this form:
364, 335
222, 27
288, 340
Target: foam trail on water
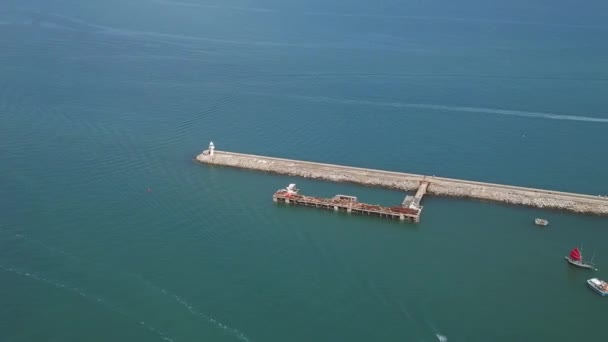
539, 115
217, 323
139, 34
474, 110
382, 16
405, 311
173, 38
84, 295
441, 338
48, 247
454, 19
239, 335
175, 297
51, 249
221, 7
421, 324
438, 334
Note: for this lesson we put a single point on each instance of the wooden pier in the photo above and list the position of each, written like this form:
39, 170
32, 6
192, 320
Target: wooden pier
349, 204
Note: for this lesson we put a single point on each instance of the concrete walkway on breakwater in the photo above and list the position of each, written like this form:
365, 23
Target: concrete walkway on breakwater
438, 186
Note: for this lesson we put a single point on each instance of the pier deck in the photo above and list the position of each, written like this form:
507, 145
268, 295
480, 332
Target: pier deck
438, 186
414, 201
344, 203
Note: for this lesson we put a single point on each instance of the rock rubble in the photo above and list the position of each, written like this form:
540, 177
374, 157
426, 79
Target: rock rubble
408, 182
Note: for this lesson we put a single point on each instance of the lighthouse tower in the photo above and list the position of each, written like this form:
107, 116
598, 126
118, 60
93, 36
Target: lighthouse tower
211, 148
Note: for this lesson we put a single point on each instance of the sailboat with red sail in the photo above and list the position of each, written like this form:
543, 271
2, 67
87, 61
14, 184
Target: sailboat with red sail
576, 258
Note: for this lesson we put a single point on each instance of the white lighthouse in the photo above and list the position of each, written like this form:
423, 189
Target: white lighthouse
211, 148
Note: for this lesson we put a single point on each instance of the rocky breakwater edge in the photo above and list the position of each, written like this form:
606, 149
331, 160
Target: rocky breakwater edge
531, 198
311, 170
438, 186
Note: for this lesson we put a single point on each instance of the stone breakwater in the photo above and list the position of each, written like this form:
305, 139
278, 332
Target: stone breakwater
438, 186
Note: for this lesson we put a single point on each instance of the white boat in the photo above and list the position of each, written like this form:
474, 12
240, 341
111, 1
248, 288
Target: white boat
576, 258
541, 222
599, 286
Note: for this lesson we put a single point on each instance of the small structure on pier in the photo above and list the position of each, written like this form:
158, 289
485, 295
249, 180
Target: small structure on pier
291, 189
210, 152
349, 204
211, 148
413, 202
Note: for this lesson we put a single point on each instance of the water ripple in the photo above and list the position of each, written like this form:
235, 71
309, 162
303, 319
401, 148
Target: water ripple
178, 299
460, 109
163, 336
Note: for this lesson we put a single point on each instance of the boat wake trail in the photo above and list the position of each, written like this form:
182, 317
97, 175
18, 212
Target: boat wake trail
211, 320
382, 16
472, 110
425, 322
222, 7
49, 248
236, 333
440, 337
86, 296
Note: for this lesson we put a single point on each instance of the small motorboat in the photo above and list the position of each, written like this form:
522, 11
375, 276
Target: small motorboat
541, 222
599, 286
576, 258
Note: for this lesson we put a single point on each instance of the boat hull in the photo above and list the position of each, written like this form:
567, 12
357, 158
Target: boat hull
580, 264
596, 289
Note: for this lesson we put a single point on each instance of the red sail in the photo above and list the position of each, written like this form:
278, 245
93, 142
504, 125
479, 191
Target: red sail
575, 254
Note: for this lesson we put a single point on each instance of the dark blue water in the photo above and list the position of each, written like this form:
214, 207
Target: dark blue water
109, 230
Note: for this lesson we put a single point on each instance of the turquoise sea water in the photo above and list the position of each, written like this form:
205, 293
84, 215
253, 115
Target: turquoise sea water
110, 232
